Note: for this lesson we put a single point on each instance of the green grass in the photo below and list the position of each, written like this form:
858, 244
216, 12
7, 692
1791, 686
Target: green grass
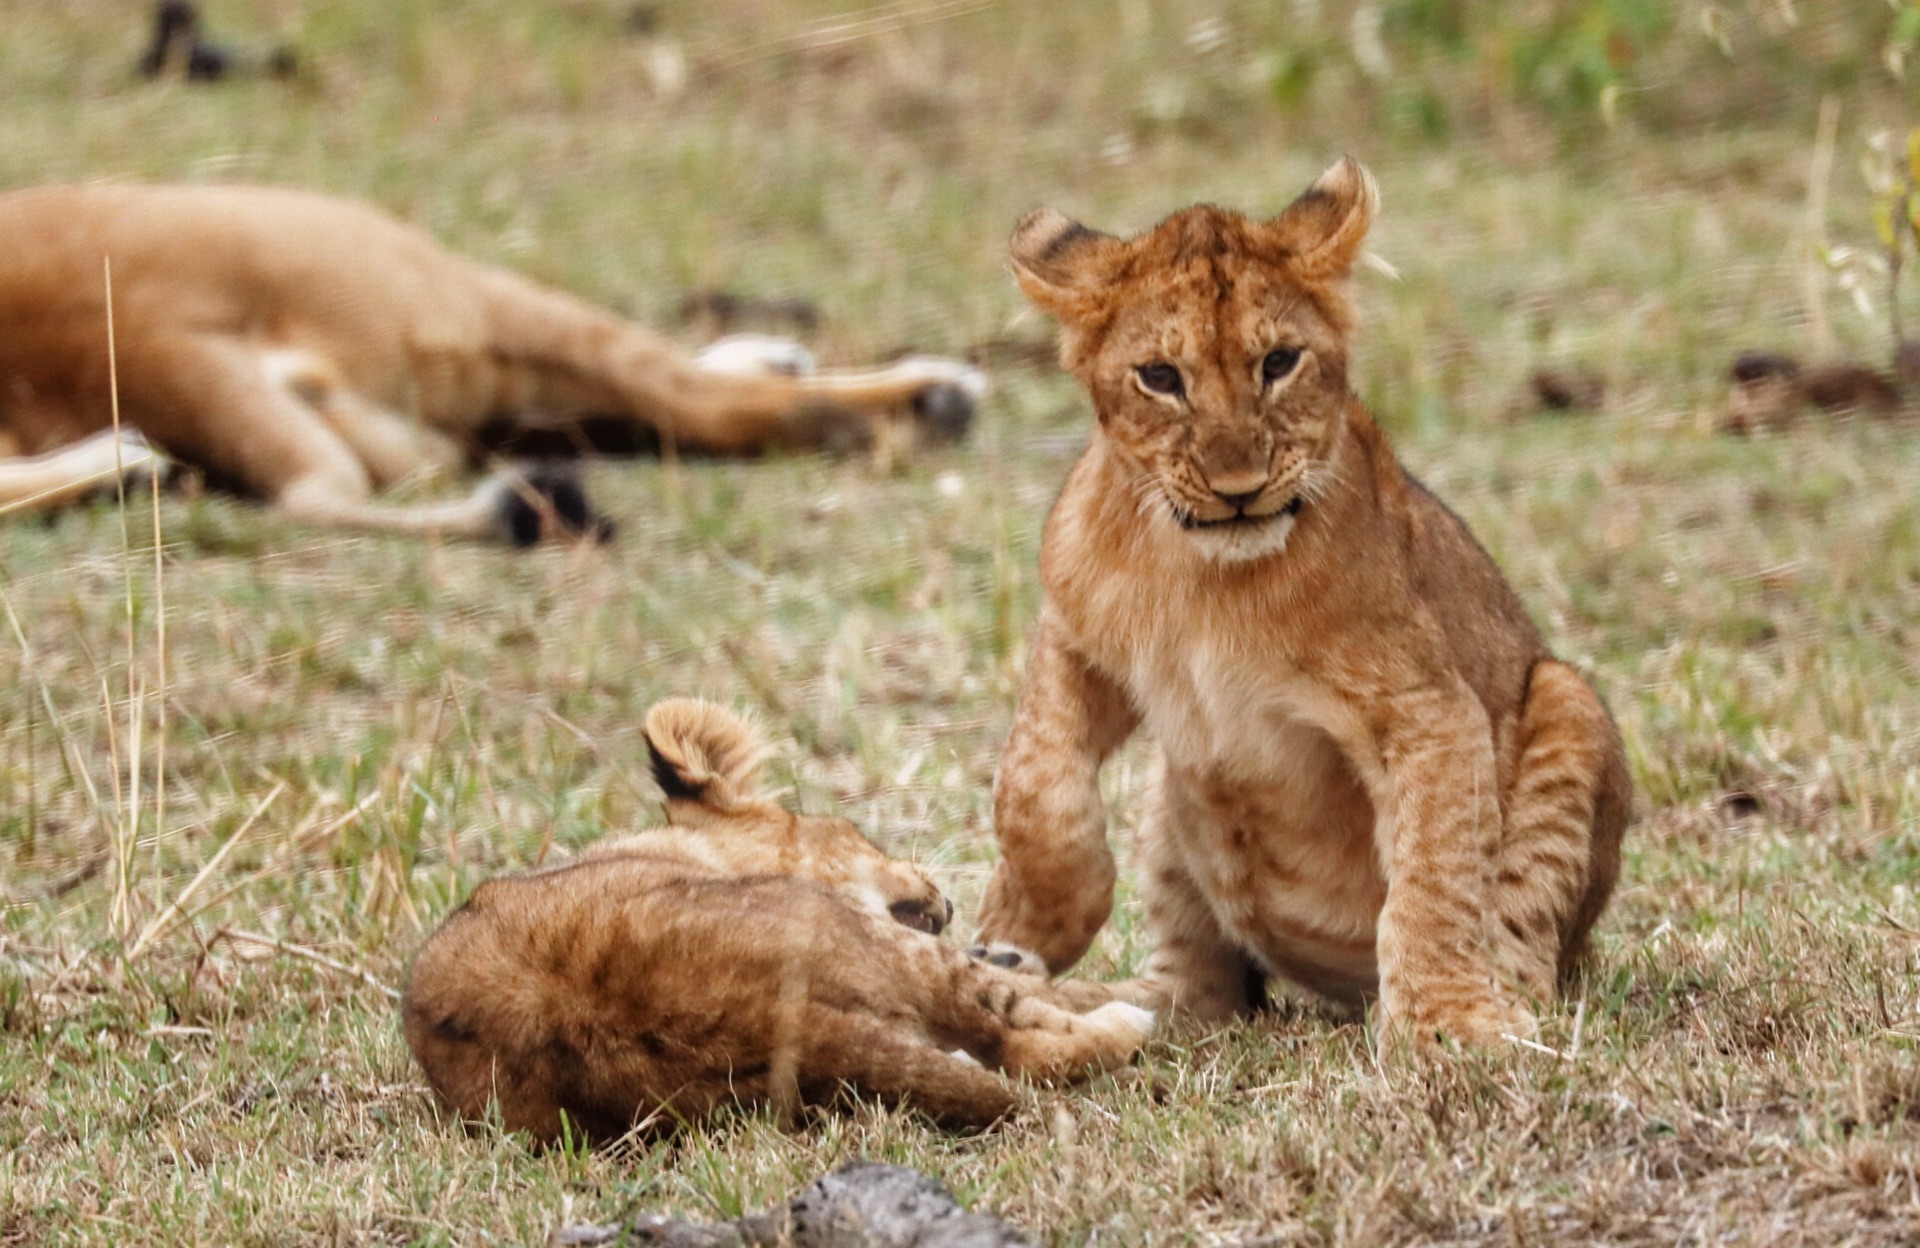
1739, 1064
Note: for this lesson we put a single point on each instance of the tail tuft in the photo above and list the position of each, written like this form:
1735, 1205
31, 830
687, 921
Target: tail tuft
703, 753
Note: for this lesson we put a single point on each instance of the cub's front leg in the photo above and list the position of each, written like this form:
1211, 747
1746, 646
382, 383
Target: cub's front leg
1032, 1027
1439, 837
1053, 887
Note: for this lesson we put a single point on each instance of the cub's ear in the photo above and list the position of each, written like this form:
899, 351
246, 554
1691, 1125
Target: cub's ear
703, 753
1323, 229
1057, 261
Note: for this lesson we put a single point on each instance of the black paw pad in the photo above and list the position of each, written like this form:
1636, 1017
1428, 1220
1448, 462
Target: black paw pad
944, 412
550, 501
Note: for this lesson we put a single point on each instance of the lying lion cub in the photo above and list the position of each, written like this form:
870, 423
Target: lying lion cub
741, 954
1374, 776
314, 351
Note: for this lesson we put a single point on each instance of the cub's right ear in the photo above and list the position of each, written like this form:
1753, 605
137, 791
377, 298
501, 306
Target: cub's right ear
1323, 229
1059, 262
703, 753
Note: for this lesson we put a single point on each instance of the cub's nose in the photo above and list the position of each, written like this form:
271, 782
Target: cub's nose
1237, 487
1238, 499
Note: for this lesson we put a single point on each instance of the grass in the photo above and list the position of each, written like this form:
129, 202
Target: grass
1738, 1065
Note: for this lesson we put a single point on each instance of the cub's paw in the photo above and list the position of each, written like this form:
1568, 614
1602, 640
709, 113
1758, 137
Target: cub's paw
1122, 1017
1490, 1024
1009, 957
1117, 1032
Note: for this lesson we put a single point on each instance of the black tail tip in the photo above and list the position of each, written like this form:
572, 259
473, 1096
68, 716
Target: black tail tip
549, 501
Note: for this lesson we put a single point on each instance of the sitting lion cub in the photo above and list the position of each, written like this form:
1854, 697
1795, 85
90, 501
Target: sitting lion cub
1373, 776
742, 954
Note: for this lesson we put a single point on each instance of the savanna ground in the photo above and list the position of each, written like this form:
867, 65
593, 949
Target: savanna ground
238, 783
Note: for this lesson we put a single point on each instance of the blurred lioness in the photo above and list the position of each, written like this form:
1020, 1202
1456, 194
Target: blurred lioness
314, 351
741, 954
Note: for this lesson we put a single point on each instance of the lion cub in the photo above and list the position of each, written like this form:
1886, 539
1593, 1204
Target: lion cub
743, 954
1373, 777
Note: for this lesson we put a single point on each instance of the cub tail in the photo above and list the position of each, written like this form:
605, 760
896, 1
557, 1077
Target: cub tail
704, 753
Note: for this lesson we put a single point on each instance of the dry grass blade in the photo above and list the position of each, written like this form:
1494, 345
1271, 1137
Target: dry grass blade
177, 911
309, 955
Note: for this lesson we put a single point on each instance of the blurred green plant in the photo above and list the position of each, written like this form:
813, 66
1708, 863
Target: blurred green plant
1431, 66
1892, 170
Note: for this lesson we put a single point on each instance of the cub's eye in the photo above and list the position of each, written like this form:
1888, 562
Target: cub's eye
1279, 362
1161, 379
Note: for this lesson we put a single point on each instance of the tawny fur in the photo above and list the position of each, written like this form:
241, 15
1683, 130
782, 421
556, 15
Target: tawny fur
1373, 777
314, 351
741, 954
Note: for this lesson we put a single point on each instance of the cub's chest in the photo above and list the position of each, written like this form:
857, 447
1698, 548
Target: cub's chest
1237, 709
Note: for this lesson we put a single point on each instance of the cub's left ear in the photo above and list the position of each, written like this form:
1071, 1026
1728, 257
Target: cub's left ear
1324, 228
1059, 262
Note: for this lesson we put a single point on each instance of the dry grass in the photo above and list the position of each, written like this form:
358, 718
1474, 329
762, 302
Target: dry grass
1738, 1066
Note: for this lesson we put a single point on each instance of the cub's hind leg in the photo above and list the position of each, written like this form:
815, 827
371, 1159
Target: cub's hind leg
1560, 855
887, 1058
1194, 967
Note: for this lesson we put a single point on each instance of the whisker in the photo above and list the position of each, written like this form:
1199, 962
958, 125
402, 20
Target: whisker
1149, 496
1319, 481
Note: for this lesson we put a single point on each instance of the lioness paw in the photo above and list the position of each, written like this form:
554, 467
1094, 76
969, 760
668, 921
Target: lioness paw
939, 370
747, 355
542, 501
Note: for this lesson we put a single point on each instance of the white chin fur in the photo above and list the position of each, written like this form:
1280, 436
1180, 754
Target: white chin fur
1238, 544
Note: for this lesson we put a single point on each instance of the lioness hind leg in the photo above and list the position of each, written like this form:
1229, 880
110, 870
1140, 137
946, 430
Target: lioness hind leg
1560, 854
44, 482
391, 447
224, 407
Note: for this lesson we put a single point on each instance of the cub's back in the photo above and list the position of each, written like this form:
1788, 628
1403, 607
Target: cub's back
682, 963
1494, 643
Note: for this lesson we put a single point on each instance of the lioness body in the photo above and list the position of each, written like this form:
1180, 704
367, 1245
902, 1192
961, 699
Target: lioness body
314, 350
1373, 776
742, 954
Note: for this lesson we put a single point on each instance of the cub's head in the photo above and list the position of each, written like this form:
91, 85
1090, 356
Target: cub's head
707, 761
1215, 350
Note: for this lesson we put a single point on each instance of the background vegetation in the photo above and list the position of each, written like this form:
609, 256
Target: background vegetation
239, 779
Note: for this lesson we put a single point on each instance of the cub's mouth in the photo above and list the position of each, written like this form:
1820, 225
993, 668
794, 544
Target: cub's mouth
922, 916
1239, 520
